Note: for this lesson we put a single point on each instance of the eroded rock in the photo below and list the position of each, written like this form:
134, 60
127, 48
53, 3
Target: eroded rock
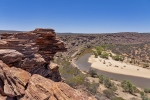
26, 70
13, 80
40, 88
10, 56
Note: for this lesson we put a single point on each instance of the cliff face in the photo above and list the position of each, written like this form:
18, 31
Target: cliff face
26, 70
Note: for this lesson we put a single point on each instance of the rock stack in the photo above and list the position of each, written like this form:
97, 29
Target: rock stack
26, 70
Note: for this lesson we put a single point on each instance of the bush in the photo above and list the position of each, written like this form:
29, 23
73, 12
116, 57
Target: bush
104, 46
144, 96
72, 75
145, 65
107, 82
117, 98
101, 78
95, 53
104, 55
75, 81
99, 52
99, 48
118, 57
128, 87
109, 93
92, 73
92, 87
113, 87
146, 90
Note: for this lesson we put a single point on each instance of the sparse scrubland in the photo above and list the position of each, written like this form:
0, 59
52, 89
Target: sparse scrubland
111, 88
128, 50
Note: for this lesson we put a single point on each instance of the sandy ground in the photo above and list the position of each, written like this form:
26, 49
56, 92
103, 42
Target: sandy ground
118, 67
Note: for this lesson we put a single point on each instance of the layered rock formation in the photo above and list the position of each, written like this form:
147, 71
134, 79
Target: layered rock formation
26, 70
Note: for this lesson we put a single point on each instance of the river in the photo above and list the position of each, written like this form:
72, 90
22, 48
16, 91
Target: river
84, 65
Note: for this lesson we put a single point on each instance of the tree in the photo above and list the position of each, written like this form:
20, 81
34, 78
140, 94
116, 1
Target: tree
92, 73
128, 87
104, 55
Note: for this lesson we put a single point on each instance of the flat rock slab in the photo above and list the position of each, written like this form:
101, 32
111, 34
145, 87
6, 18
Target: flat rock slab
10, 56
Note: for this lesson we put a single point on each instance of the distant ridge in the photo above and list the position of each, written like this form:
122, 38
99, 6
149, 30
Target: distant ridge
63, 33
70, 33
10, 31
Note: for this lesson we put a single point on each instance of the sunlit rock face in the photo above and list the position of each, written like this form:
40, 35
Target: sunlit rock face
32, 51
26, 68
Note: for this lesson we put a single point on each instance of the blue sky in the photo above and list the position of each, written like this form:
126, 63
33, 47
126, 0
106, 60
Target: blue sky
82, 16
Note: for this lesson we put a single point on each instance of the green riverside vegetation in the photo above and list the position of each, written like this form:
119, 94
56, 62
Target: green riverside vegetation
75, 78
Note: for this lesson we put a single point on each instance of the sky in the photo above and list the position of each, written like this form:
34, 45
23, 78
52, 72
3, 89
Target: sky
76, 16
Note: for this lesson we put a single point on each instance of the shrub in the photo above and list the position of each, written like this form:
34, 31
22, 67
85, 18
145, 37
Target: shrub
104, 46
92, 73
75, 81
95, 53
72, 75
144, 96
117, 98
118, 57
92, 87
113, 87
99, 52
146, 90
99, 48
109, 93
104, 55
101, 78
145, 65
110, 55
128, 87
107, 82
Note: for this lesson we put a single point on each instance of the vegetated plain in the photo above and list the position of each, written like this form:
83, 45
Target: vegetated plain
129, 48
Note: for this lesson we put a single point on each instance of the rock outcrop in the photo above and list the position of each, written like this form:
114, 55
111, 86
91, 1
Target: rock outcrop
40, 88
32, 51
26, 68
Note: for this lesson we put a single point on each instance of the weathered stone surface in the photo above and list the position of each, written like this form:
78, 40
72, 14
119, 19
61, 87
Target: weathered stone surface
53, 66
6, 98
26, 67
32, 51
3, 43
10, 56
40, 88
13, 80
31, 61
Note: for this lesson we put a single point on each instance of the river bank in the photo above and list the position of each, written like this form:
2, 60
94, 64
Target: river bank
118, 70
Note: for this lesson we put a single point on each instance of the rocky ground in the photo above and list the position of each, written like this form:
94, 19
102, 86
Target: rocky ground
27, 71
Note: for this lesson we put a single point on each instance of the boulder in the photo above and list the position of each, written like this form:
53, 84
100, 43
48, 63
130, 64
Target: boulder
10, 56
33, 60
53, 66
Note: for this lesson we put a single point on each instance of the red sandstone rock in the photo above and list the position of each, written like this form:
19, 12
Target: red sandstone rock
10, 56
40, 88
13, 80
30, 53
